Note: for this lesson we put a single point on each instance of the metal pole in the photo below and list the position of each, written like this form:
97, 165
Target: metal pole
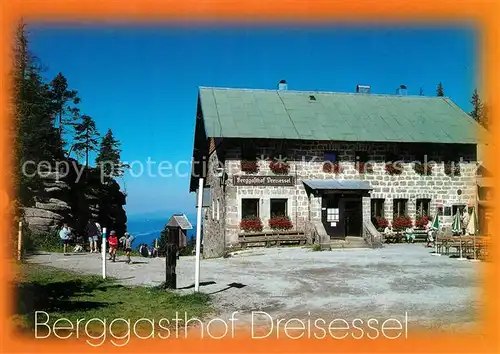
198, 237
103, 250
19, 240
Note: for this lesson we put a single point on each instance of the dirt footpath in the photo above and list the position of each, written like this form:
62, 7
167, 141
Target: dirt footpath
398, 281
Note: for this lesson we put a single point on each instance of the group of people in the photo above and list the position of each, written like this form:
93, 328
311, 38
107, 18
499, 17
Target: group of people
93, 231
145, 251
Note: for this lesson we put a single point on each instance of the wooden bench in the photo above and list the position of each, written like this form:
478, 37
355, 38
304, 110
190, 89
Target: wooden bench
272, 238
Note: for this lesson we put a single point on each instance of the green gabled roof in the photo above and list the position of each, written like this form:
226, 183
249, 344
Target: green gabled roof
252, 113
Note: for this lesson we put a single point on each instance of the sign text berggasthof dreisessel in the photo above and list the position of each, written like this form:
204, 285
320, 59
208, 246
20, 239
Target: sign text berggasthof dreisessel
263, 181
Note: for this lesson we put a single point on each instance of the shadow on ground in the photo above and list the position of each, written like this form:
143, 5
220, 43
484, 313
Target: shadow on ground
203, 283
57, 297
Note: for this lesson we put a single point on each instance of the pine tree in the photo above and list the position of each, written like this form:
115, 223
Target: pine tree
86, 136
36, 138
108, 158
477, 106
65, 102
439, 90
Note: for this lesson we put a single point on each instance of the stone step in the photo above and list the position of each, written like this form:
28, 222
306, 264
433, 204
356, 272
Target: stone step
349, 242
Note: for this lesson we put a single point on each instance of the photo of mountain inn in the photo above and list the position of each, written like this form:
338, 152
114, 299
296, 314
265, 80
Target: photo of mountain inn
325, 166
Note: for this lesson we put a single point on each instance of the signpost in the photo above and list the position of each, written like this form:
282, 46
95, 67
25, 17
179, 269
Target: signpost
103, 250
198, 237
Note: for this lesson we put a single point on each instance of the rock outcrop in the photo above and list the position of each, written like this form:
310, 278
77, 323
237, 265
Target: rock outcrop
67, 196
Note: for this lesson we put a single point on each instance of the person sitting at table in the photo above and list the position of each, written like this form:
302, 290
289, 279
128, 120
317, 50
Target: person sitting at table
410, 235
388, 233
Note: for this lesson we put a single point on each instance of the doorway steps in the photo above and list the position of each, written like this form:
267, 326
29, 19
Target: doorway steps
349, 242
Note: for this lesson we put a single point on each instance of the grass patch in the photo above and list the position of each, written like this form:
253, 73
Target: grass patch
71, 296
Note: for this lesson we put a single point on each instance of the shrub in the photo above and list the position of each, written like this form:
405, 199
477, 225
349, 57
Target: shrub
249, 166
423, 168
280, 223
381, 223
452, 169
251, 224
393, 169
401, 222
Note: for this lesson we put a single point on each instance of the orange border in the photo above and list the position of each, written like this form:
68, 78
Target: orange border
478, 11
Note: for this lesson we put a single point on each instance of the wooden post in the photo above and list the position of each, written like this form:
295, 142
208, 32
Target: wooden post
20, 241
171, 258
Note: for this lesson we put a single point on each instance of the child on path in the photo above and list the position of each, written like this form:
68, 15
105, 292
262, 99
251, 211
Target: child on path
113, 245
64, 234
127, 241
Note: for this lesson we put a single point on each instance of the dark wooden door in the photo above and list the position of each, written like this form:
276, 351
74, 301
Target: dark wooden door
332, 216
353, 217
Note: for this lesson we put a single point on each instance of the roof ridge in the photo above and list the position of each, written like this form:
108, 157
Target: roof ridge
320, 92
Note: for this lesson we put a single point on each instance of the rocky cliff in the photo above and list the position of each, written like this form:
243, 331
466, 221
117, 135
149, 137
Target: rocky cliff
65, 195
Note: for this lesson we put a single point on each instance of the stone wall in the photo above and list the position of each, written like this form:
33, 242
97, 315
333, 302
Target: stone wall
306, 162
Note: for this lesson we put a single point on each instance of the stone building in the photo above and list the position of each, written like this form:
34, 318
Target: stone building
329, 162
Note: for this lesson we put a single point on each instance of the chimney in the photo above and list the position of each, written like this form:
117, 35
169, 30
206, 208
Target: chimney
282, 85
402, 90
363, 89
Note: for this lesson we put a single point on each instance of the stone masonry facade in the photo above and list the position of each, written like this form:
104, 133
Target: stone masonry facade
306, 159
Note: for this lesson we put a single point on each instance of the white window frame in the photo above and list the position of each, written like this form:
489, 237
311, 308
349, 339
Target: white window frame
218, 210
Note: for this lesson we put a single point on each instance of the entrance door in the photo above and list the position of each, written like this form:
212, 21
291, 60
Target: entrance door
353, 217
331, 216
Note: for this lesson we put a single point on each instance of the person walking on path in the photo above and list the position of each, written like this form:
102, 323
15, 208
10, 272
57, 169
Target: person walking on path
65, 234
113, 245
93, 234
464, 221
127, 241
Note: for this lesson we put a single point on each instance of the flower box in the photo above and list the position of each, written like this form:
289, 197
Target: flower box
452, 169
332, 167
279, 166
393, 169
364, 168
251, 224
400, 223
249, 166
421, 222
423, 168
280, 223
381, 223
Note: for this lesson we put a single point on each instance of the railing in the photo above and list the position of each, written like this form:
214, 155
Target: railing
371, 235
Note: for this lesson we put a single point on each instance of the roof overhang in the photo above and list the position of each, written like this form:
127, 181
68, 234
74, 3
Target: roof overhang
336, 184
485, 182
181, 221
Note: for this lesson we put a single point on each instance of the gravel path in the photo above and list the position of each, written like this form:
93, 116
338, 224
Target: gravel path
297, 282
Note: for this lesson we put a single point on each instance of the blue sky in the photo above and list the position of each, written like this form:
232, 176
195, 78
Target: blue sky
142, 81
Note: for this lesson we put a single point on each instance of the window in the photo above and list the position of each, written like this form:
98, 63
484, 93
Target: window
457, 207
361, 159
249, 208
331, 156
447, 211
399, 207
279, 207
218, 210
377, 208
332, 215
440, 211
423, 207
392, 157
